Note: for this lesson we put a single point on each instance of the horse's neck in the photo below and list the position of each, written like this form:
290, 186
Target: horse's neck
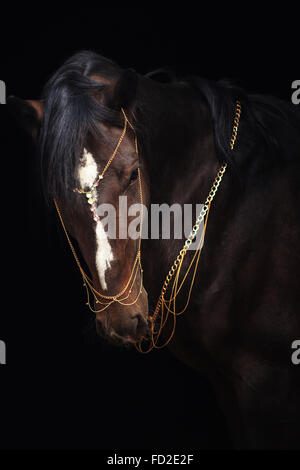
181, 159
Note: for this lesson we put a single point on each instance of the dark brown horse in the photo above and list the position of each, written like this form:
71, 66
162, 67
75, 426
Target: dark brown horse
244, 312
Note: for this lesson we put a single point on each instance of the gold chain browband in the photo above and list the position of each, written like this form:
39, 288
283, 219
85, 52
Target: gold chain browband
165, 306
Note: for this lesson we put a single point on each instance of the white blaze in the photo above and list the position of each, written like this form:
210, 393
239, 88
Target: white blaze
88, 170
104, 254
87, 173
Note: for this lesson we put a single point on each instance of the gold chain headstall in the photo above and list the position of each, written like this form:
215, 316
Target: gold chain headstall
122, 297
164, 306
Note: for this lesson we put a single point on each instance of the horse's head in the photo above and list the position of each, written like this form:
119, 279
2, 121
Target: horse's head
85, 131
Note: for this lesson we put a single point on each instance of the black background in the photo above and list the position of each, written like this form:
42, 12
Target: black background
62, 386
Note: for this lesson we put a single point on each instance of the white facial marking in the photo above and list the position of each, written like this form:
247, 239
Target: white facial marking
87, 173
88, 170
104, 254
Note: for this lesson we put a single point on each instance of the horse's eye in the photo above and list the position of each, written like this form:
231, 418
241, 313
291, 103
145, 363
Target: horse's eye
134, 175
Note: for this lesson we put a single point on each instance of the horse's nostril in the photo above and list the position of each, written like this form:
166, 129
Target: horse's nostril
141, 324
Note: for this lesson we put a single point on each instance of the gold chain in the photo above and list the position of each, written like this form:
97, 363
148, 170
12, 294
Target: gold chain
236, 123
192, 235
162, 303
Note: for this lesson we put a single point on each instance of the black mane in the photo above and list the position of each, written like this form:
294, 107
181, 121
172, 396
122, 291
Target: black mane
71, 113
262, 113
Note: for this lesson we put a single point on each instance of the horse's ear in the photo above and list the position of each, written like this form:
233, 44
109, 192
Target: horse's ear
28, 114
122, 93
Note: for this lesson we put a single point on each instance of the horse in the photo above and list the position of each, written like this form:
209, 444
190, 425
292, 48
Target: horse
103, 131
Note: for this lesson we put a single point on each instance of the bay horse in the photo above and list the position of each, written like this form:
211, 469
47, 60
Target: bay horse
167, 142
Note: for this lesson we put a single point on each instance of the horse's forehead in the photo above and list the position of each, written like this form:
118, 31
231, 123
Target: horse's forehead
87, 170
102, 147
